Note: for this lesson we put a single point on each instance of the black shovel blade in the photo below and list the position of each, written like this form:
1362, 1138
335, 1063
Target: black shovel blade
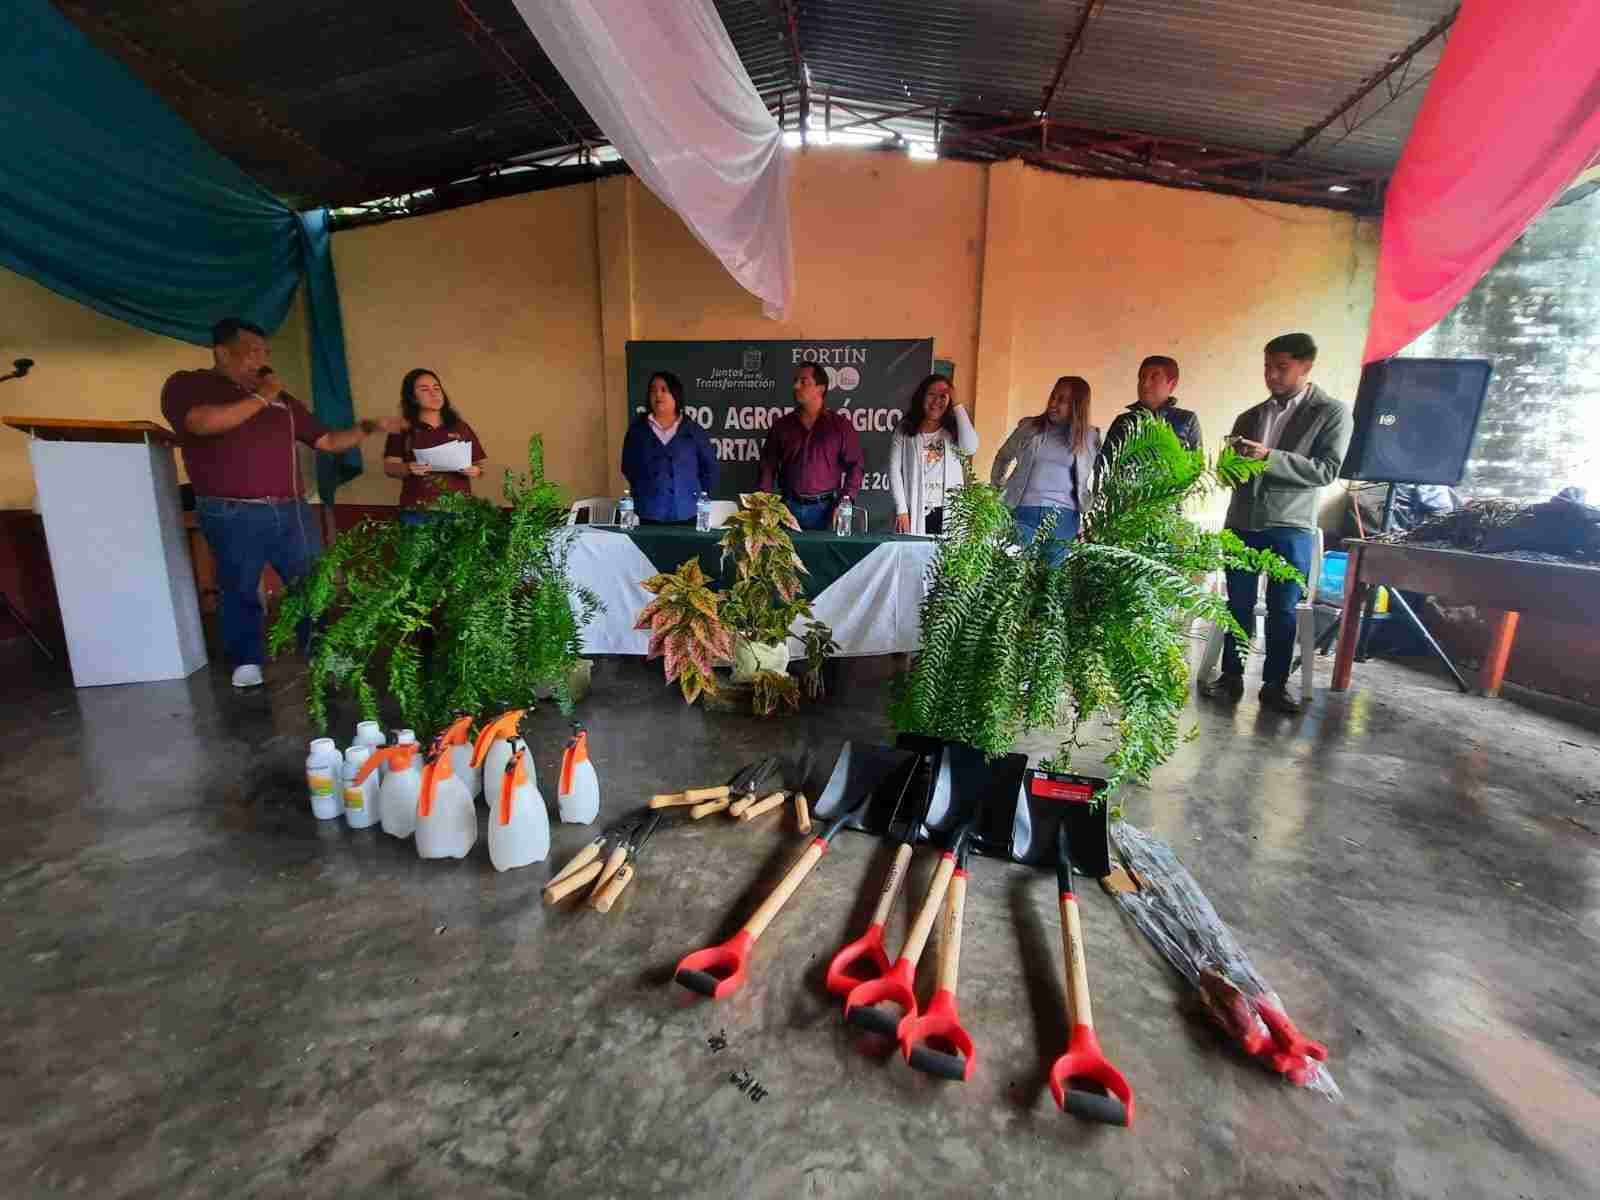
969, 787
1051, 798
878, 774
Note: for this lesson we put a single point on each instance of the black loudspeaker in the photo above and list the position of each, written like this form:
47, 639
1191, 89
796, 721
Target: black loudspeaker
1415, 419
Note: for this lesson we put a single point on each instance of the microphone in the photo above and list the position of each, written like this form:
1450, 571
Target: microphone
20, 367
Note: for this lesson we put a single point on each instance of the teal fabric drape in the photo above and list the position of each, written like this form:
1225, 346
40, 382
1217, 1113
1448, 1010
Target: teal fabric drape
109, 198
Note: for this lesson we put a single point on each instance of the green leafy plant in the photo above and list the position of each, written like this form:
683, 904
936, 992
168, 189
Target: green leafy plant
771, 691
1011, 644
470, 611
820, 646
686, 628
767, 596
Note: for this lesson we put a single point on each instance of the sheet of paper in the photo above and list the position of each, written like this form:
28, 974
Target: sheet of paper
452, 456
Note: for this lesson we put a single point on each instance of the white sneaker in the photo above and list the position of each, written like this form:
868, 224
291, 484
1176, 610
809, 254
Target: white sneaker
247, 676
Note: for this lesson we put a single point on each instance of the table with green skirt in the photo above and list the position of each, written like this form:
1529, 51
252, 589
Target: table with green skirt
867, 588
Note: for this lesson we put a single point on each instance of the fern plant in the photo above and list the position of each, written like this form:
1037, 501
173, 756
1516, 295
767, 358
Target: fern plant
471, 611
1011, 644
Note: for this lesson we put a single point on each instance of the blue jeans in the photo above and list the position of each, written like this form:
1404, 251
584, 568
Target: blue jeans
244, 538
811, 516
412, 516
1295, 546
1031, 516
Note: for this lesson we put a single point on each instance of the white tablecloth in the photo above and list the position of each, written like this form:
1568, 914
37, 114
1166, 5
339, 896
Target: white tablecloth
873, 608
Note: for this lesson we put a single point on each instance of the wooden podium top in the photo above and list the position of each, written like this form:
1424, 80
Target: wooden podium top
69, 429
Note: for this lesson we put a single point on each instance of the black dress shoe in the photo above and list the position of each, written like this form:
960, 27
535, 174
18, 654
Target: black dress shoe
1224, 687
1278, 700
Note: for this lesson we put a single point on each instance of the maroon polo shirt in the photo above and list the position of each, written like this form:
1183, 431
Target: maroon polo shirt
418, 491
253, 461
797, 461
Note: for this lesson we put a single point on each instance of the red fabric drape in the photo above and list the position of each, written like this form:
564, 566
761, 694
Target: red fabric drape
1511, 117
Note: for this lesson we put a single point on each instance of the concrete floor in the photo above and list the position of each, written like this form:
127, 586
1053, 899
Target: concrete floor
208, 993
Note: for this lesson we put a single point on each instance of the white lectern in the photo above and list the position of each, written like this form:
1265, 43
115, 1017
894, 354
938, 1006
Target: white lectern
108, 493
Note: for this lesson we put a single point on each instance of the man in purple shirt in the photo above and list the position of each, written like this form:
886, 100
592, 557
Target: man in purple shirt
813, 454
239, 429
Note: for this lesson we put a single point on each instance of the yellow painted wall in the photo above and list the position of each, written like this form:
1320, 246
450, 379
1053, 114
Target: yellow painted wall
91, 365
1114, 271
501, 300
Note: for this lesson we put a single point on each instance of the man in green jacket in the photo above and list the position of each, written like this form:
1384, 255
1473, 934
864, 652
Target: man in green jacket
1303, 434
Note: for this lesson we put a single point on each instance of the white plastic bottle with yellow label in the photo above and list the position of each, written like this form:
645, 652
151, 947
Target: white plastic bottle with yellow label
447, 819
324, 778
360, 791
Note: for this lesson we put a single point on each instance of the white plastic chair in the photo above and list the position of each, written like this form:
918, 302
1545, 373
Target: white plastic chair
602, 510
721, 510
1305, 626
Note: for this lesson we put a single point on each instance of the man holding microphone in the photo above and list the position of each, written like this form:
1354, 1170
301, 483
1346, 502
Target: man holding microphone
239, 429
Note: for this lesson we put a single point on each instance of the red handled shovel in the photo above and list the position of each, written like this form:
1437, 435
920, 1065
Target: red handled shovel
936, 1042
1083, 1081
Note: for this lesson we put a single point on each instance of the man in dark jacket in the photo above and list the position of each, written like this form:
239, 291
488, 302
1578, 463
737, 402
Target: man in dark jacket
1303, 434
1158, 380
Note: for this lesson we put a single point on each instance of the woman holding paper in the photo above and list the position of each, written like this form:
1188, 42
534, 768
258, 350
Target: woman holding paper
437, 453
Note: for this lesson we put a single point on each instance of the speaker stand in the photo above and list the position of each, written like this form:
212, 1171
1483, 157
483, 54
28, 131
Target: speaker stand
1395, 598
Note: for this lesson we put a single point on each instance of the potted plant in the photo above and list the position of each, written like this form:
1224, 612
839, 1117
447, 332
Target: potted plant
469, 612
694, 627
1008, 641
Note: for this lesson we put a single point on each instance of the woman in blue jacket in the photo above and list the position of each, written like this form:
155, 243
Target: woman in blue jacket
666, 457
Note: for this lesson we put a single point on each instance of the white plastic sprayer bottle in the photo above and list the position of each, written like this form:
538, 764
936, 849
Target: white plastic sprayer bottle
368, 733
360, 791
578, 796
519, 826
457, 738
324, 777
402, 737
447, 820
402, 784
493, 752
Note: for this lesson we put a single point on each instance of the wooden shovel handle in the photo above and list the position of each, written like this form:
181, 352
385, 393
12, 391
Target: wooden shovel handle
955, 906
917, 939
613, 865
607, 896
761, 807
891, 884
668, 800
709, 807
773, 904
558, 892
696, 795
579, 860
739, 805
1077, 969
802, 812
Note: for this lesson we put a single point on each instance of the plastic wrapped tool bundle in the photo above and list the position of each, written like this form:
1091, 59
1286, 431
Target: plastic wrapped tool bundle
1174, 914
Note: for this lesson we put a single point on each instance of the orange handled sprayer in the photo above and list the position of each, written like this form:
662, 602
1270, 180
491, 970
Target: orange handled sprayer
502, 728
398, 758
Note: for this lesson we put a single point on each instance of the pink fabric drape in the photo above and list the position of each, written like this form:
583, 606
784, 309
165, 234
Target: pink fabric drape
1511, 117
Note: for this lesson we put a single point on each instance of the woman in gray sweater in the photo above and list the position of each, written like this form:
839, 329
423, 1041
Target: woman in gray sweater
1047, 466
923, 467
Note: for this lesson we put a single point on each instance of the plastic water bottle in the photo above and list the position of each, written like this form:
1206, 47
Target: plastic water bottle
519, 826
578, 794
625, 515
360, 791
702, 513
324, 776
844, 518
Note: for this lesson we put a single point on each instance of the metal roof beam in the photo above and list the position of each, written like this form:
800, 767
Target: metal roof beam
791, 29
513, 72
1397, 63
1074, 43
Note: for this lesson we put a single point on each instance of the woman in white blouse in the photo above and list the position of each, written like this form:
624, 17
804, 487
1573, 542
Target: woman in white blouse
923, 467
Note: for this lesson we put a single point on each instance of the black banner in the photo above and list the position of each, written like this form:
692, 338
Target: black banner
736, 390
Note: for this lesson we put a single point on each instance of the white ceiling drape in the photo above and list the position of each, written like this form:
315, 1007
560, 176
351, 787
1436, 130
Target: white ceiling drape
664, 83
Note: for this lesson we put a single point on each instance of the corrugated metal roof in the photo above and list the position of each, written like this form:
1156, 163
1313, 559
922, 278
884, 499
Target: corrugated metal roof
324, 100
